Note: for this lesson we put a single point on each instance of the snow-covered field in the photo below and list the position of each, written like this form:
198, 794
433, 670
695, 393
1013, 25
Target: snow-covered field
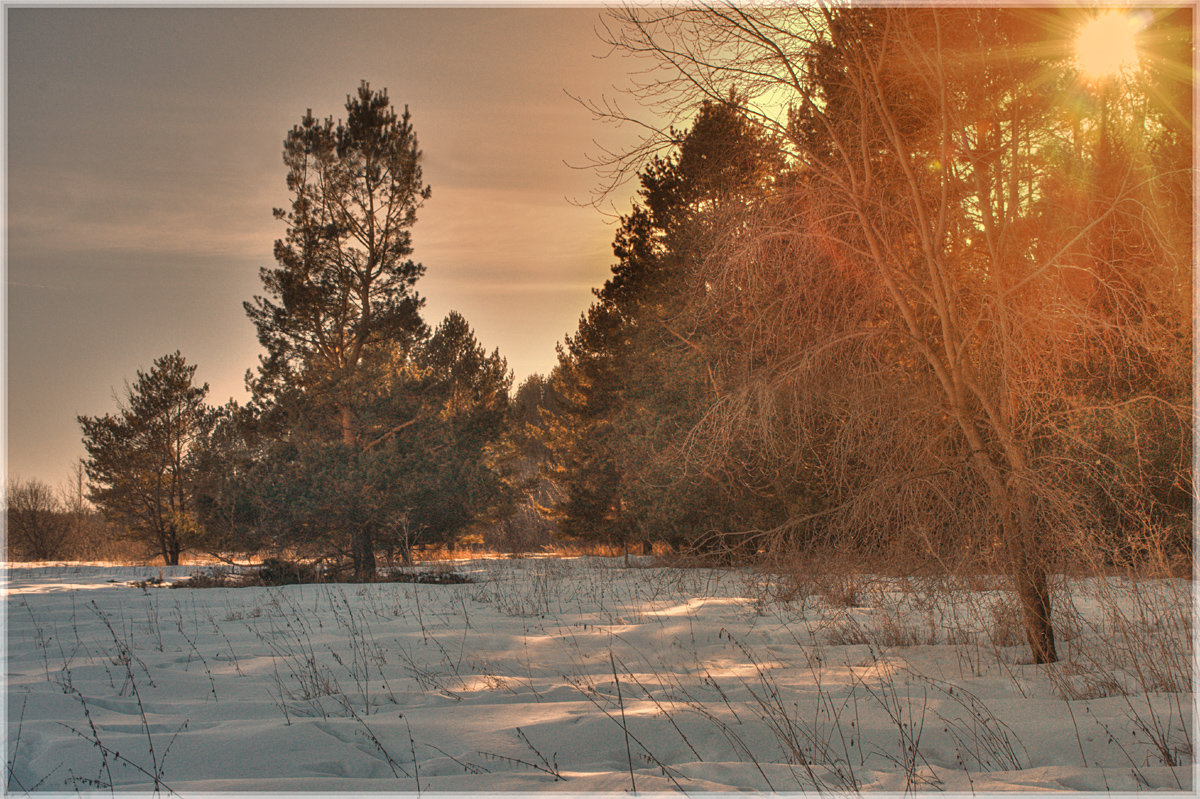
570, 675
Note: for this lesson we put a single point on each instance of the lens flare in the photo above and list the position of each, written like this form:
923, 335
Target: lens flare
1107, 45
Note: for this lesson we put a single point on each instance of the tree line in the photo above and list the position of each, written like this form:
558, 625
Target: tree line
910, 292
899, 287
932, 308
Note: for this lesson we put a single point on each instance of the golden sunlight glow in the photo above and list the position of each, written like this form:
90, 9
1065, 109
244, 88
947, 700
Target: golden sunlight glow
1107, 45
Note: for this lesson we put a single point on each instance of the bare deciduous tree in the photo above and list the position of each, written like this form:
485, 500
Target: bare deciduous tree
37, 526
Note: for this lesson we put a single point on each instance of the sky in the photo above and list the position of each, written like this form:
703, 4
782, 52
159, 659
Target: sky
143, 160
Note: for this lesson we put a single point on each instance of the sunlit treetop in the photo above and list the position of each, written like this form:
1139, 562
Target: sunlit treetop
1107, 44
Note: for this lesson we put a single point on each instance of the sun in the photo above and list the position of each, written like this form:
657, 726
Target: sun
1107, 45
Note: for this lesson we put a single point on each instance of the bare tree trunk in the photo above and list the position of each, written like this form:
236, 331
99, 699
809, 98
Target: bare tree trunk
364, 554
346, 418
1027, 570
1033, 593
363, 542
168, 544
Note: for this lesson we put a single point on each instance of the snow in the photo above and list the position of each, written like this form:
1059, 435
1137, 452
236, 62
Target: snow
585, 674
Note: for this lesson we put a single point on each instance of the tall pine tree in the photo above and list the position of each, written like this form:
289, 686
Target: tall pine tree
342, 291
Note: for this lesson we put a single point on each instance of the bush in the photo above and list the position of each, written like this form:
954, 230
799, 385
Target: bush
280, 571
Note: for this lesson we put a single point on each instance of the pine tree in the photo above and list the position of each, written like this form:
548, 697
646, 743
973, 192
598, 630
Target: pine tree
279, 480
635, 377
140, 461
341, 295
441, 471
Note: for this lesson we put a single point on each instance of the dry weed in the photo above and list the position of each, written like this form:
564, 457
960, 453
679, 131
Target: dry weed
1007, 627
